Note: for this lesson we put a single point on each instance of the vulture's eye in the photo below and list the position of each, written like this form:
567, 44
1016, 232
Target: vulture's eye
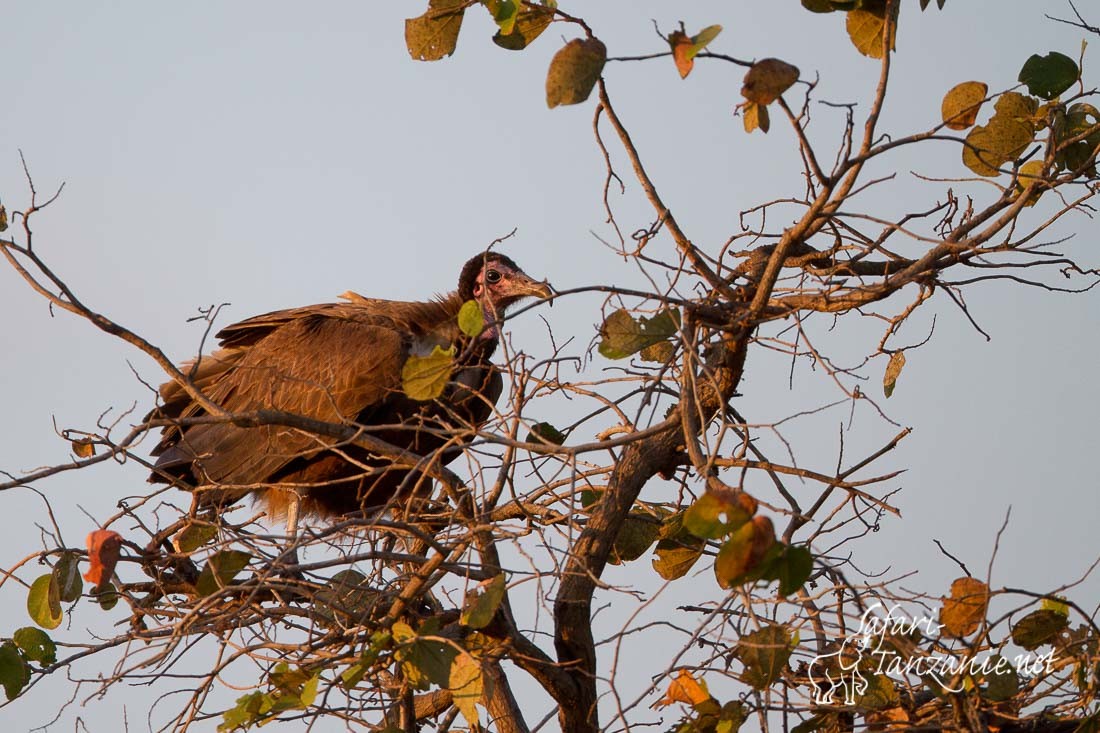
492, 277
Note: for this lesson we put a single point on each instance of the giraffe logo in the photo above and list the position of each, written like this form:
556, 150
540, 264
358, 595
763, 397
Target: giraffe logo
838, 672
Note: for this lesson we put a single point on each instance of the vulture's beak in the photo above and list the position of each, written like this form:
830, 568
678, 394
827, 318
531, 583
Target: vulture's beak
526, 286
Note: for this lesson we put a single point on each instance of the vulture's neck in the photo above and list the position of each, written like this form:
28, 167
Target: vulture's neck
444, 328
433, 322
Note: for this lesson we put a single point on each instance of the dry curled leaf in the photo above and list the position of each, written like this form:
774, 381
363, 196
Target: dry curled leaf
766, 81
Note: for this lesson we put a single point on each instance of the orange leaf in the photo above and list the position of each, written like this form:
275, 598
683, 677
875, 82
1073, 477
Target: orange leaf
964, 611
685, 48
684, 688
83, 448
104, 546
762, 540
681, 52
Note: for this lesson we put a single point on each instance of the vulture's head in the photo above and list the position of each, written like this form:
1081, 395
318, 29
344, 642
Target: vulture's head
496, 282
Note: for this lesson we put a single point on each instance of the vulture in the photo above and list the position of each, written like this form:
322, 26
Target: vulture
339, 363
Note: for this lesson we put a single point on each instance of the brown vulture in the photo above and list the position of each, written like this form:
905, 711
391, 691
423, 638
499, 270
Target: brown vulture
339, 363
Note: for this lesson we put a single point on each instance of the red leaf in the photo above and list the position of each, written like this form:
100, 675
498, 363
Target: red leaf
103, 551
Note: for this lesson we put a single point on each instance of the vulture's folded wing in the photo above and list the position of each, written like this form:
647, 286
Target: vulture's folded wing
321, 367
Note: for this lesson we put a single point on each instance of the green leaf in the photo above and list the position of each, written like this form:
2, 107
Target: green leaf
471, 319
574, 71
636, 535
711, 516
880, 693
732, 716
467, 684
703, 38
425, 377
348, 600
529, 25
504, 13
67, 573
220, 570
677, 549
353, 675
1057, 605
309, 690
423, 661
287, 680
44, 602
1038, 628
245, 714
792, 568
1050, 75
622, 335
106, 596
1003, 683
36, 644
764, 653
434, 34
544, 432
1080, 119
482, 604
893, 371
867, 26
14, 674
194, 536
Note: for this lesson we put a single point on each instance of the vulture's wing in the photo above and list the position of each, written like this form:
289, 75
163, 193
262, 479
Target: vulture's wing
307, 362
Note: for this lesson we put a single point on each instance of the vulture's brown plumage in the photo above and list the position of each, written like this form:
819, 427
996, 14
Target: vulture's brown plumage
339, 363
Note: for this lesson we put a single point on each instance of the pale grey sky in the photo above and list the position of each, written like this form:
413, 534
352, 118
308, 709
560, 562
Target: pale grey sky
267, 155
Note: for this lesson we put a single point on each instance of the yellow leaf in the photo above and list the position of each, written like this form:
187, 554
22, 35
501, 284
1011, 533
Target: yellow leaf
425, 377
471, 318
1016, 106
756, 116
529, 25
978, 153
893, 371
467, 685
961, 105
434, 34
1030, 172
867, 25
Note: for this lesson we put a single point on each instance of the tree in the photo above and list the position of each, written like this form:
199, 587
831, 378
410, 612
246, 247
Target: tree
438, 613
